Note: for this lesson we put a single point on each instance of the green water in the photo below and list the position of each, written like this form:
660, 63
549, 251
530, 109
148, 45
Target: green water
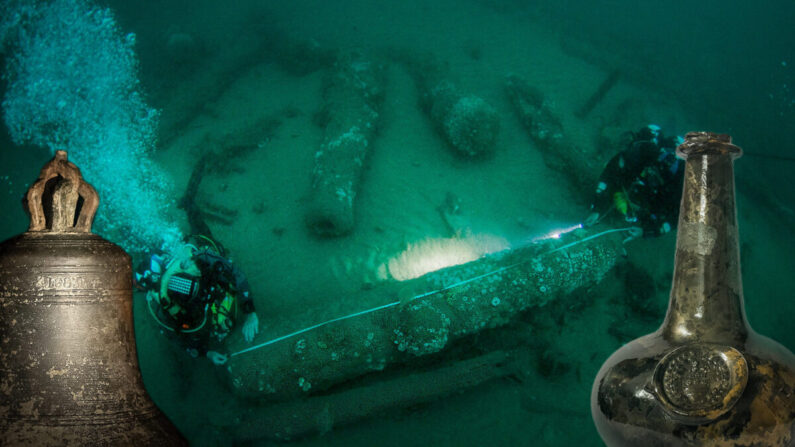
247, 82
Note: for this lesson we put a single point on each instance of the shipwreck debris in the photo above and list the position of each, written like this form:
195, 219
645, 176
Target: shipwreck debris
449, 304
352, 100
468, 123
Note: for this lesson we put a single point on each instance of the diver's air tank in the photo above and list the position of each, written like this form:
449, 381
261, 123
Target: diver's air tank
68, 368
704, 378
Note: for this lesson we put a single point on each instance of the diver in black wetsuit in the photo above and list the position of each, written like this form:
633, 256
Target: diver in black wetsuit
198, 295
642, 184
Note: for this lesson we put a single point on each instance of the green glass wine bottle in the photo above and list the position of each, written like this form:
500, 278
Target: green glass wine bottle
704, 378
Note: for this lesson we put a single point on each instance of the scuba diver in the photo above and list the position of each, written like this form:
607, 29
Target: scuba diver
197, 294
642, 184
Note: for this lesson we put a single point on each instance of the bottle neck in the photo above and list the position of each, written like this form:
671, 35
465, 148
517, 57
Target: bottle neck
706, 301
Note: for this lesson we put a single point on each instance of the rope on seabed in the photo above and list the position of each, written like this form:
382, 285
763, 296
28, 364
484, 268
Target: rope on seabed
432, 292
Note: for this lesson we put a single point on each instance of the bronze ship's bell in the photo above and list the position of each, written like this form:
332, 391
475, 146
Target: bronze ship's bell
68, 368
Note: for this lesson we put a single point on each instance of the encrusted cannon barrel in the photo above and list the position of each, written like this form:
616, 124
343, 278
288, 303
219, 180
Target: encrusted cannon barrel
535, 113
447, 304
320, 414
468, 123
352, 100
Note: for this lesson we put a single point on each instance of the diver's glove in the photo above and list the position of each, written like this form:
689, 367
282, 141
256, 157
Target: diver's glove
633, 233
592, 219
251, 327
217, 358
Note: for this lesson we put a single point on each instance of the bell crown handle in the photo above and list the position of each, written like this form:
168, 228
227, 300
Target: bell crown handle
68, 187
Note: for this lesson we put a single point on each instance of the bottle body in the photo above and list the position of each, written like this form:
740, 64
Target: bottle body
704, 377
628, 411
